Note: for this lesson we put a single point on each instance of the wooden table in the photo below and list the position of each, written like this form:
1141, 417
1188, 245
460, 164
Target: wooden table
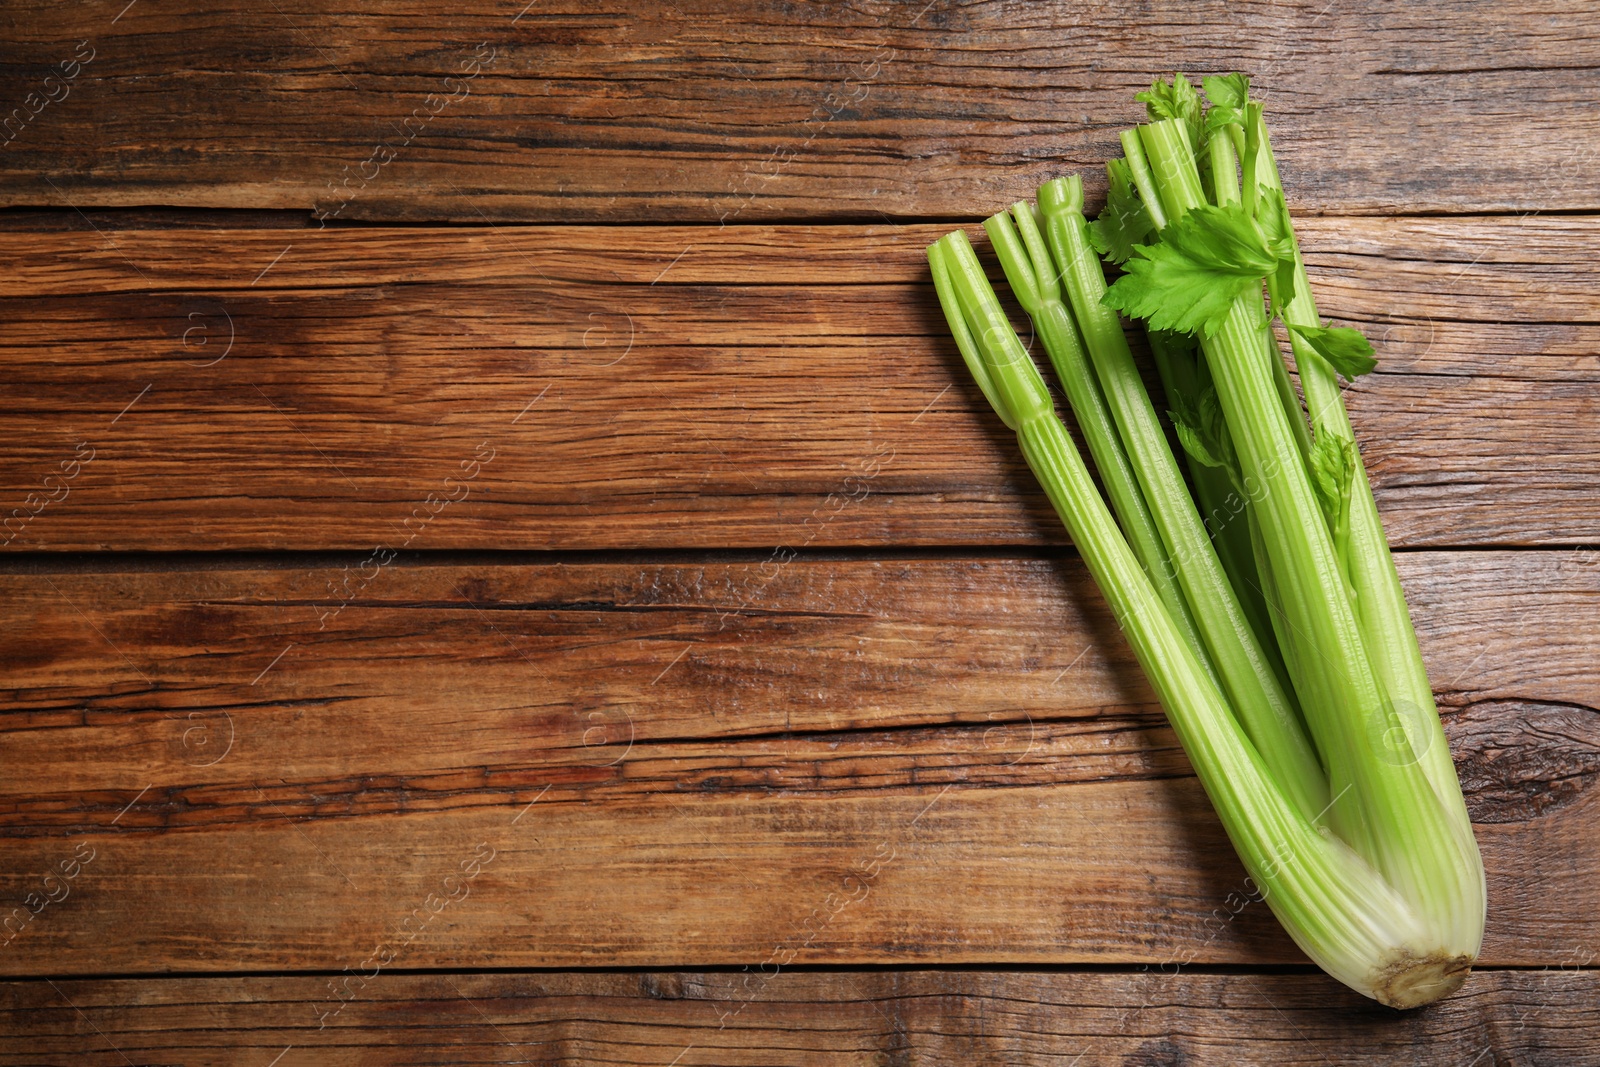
504, 566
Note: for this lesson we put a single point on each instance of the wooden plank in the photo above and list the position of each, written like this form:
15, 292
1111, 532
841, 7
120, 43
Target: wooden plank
422, 670
787, 1017
245, 770
709, 110
686, 387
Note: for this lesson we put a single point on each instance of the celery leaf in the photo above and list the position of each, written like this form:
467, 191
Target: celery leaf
1345, 348
1227, 90
1203, 431
1272, 215
1191, 276
1125, 222
1175, 100
1219, 116
1193, 442
1332, 464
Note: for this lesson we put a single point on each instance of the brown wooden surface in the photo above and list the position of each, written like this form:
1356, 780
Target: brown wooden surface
229, 780
954, 1018
746, 740
670, 387
700, 111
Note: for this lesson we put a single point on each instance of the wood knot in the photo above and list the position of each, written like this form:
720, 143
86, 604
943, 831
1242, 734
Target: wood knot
662, 986
1519, 760
1159, 1052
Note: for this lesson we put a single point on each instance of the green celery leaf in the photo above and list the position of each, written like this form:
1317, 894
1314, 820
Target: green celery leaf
1176, 100
1194, 444
1216, 427
1333, 466
1227, 90
1201, 430
1272, 215
1345, 348
1283, 283
1190, 277
1219, 116
1125, 222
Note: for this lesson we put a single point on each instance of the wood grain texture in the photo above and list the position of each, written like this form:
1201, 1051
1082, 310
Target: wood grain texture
837, 761
683, 387
954, 1018
710, 109
371, 801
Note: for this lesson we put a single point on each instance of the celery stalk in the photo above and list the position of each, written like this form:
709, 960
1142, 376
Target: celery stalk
1379, 600
1223, 503
1387, 807
1028, 268
1283, 654
1332, 902
1266, 708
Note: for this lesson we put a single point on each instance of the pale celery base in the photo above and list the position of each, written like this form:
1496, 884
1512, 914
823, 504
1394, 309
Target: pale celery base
1409, 981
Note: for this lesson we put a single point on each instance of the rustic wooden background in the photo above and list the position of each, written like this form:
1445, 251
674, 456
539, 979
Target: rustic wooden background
502, 565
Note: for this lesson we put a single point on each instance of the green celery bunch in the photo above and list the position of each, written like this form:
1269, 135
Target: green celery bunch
1260, 597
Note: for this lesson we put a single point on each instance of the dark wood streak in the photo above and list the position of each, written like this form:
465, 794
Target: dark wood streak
805, 1018
1006, 754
